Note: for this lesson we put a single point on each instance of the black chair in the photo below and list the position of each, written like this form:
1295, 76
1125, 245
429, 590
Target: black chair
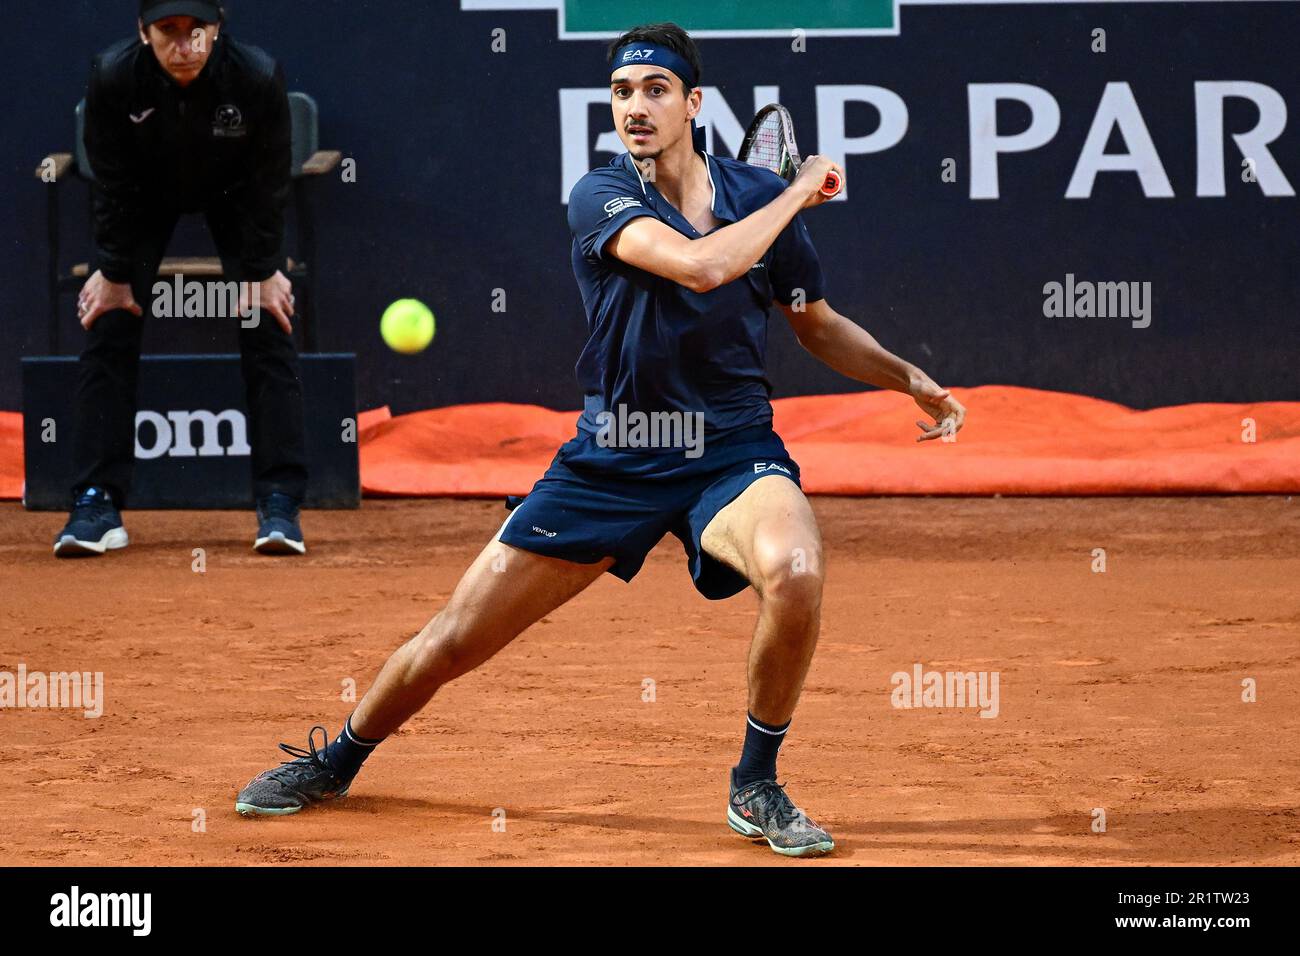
309, 161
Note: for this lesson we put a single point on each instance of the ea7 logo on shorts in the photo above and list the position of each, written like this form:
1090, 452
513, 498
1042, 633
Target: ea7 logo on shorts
760, 467
619, 204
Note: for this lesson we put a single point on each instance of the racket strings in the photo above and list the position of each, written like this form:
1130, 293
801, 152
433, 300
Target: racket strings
768, 146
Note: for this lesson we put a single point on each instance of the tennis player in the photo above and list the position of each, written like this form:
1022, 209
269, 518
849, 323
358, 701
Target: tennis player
678, 255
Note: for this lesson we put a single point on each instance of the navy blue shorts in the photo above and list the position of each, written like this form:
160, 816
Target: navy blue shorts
595, 502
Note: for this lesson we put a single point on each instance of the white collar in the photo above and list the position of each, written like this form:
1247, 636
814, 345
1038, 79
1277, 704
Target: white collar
708, 171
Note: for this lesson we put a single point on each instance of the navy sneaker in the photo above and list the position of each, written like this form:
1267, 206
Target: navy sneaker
93, 527
277, 525
295, 784
762, 810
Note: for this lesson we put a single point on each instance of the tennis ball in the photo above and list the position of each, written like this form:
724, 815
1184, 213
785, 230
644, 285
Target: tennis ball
407, 326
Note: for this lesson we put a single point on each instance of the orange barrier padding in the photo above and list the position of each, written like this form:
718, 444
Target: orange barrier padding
368, 420
11, 455
1019, 441
1025, 441
495, 448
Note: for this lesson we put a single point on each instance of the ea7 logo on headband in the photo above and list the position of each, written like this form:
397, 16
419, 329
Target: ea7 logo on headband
637, 54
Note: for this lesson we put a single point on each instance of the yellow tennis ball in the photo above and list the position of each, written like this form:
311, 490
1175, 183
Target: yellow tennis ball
407, 326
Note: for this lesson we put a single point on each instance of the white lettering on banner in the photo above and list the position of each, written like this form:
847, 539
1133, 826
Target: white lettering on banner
173, 435
720, 122
1117, 107
575, 137
1253, 144
832, 141
1116, 110
985, 144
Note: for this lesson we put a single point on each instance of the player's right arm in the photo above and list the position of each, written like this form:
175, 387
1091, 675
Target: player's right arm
704, 264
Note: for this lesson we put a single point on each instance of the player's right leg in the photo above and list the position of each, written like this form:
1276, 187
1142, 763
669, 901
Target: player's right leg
504, 591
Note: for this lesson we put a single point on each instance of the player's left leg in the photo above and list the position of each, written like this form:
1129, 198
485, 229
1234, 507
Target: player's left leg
769, 534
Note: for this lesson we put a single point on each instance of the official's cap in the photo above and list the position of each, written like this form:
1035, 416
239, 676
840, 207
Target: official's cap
151, 11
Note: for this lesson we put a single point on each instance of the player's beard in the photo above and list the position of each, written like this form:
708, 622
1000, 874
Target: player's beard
642, 153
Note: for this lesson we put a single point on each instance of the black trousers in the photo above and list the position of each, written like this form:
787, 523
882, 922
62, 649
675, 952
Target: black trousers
105, 406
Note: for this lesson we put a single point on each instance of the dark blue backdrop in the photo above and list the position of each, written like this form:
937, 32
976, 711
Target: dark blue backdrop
458, 160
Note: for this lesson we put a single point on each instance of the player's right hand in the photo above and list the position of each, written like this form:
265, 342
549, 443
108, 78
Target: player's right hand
812, 175
99, 295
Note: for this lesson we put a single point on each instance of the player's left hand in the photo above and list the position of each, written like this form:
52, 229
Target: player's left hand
275, 295
948, 413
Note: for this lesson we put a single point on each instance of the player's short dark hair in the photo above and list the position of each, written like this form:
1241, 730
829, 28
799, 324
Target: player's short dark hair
664, 34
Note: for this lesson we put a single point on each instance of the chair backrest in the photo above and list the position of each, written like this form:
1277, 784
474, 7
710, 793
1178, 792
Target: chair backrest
83, 161
305, 135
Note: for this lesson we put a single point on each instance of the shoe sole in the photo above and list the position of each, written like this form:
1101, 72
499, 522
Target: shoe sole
252, 810
70, 547
748, 830
248, 810
277, 543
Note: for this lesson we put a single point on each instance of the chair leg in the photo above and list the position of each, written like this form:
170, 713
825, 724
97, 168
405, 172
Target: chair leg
307, 250
52, 270
310, 338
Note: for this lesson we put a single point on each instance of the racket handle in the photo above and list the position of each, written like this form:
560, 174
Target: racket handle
832, 184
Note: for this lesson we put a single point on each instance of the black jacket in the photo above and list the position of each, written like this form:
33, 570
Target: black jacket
221, 143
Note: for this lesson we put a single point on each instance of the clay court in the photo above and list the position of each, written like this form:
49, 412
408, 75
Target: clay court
1119, 690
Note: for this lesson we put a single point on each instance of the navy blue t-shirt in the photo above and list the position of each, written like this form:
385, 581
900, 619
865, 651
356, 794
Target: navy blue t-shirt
655, 345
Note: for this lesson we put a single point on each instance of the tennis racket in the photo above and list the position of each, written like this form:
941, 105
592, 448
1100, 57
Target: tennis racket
769, 142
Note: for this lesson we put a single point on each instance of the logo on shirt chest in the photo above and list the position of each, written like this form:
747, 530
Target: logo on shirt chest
228, 122
619, 204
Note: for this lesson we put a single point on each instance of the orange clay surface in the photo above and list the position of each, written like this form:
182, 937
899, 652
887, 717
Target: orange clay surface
1119, 690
